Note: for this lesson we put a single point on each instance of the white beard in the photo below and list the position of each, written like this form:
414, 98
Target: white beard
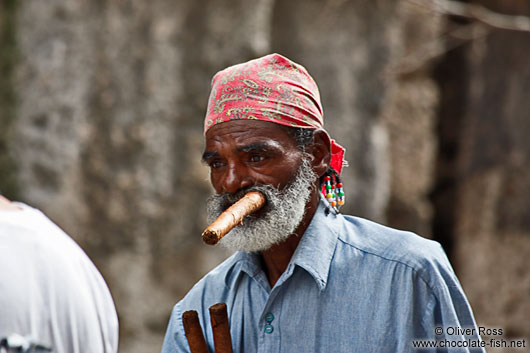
284, 211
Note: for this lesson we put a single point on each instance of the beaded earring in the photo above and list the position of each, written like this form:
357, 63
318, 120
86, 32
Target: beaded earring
333, 190
329, 191
340, 194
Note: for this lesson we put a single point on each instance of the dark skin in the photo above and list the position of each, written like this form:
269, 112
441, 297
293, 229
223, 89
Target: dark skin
6, 205
245, 153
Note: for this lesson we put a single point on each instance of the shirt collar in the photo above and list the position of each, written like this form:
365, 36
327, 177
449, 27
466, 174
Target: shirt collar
314, 252
316, 248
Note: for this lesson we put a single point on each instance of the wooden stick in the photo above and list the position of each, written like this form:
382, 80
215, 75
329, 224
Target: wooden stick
220, 328
233, 216
193, 331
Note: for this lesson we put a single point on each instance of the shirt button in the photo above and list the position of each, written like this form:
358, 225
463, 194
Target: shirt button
269, 317
269, 328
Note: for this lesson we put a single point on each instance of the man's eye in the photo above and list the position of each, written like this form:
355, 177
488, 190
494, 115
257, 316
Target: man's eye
215, 164
256, 158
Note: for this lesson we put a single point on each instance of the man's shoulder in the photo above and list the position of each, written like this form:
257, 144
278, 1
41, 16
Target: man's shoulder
56, 271
392, 245
31, 232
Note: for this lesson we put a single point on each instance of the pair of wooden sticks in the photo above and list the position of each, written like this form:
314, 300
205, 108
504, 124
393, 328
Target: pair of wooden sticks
220, 328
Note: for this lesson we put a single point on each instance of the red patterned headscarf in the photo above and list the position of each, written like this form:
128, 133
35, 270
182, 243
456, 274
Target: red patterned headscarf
271, 88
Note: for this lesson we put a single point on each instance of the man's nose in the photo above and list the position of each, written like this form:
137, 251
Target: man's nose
236, 178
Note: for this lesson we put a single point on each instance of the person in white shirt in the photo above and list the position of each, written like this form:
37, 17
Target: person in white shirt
52, 297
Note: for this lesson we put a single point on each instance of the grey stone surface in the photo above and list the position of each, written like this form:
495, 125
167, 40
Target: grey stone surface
484, 167
8, 58
492, 229
410, 117
106, 134
345, 46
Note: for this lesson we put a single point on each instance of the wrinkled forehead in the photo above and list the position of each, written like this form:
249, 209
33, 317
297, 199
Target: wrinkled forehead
249, 131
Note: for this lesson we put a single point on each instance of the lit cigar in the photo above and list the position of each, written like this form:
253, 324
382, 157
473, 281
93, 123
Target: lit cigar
233, 216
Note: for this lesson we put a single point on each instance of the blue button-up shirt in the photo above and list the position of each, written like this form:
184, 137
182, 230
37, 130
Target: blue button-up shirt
351, 286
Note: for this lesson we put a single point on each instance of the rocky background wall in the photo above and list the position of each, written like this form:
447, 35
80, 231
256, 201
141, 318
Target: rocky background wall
101, 108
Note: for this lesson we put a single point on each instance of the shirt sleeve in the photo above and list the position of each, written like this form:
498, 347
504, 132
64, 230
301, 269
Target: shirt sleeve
448, 317
175, 340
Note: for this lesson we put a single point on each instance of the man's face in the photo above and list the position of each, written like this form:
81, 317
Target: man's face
264, 159
245, 153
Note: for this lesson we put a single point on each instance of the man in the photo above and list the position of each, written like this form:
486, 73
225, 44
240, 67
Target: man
307, 278
52, 297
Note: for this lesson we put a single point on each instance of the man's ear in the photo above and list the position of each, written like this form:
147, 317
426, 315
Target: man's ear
320, 151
